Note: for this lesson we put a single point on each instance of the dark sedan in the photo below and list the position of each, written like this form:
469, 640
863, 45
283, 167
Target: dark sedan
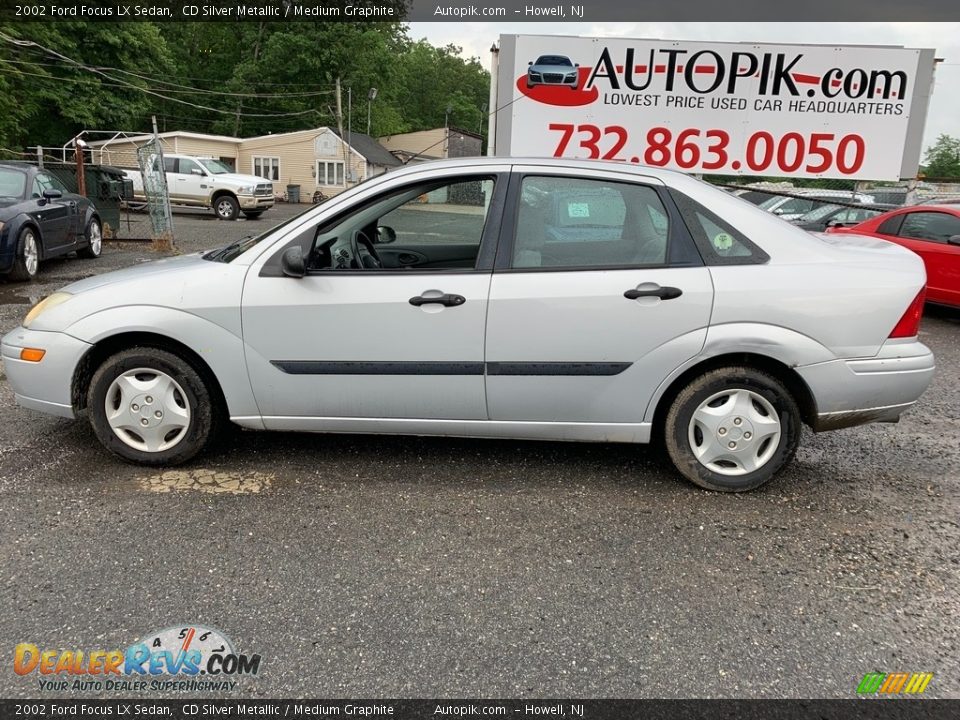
828, 216
40, 219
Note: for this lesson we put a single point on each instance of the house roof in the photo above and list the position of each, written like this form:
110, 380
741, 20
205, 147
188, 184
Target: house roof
372, 150
170, 134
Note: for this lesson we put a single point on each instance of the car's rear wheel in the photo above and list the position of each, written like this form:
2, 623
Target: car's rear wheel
94, 236
732, 429
152, 407
26, 262
226, 207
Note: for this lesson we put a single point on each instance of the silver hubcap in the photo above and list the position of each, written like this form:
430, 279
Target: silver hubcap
147, 410
734, 432
225, 209
96, 238
31, 258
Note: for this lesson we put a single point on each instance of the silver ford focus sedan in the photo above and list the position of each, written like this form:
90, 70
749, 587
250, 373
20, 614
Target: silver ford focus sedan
497, 298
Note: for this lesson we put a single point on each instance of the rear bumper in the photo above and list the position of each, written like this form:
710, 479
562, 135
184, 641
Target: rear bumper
46, 385
877, 389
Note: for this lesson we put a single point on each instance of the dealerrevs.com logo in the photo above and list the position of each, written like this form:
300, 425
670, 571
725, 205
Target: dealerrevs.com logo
184, 658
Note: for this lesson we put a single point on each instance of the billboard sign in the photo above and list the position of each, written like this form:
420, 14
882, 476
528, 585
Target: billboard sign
716, 108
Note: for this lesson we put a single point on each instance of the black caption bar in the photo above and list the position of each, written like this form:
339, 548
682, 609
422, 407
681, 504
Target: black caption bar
862, 709
534, 11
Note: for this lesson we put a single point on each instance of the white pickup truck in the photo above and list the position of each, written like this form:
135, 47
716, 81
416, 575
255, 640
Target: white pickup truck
206, 182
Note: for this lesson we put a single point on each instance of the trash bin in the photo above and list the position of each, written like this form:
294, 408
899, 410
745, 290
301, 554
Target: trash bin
293, 193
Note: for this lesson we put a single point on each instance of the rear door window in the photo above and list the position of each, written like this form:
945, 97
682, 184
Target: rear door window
565, 222
931, 226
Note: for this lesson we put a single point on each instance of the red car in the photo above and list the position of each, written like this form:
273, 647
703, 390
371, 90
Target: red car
933, 233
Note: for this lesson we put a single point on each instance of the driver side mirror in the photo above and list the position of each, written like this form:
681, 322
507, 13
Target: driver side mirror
52, 194
835, 223
292, 263
953, 240
196, 171
386, 235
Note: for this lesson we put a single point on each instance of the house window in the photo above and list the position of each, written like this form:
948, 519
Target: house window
267, 168
329, 173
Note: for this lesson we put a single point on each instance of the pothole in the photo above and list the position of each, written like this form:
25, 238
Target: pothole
207, 481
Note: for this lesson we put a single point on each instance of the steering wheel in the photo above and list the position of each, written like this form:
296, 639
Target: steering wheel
372, 258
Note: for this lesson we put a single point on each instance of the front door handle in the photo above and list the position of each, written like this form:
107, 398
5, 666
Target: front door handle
664, 293
448, 300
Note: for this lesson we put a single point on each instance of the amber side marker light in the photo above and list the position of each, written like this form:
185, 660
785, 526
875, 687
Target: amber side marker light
32, 354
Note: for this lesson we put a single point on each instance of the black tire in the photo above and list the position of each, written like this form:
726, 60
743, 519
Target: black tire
94, 245
205, 414
678, 429
23, 270
252, 214
226, 207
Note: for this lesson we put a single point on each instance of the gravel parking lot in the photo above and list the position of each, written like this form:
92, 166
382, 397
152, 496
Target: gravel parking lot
381, 567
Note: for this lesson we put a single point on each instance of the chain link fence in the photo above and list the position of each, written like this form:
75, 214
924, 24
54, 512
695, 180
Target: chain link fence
798, 195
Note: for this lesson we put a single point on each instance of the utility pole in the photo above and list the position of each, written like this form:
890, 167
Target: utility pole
346, 150
349, 169
371, 96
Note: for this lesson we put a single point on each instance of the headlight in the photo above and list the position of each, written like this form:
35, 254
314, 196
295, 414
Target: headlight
247, 190
46, 304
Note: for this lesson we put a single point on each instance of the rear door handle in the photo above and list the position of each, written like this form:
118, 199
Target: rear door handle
448, 300
664, 293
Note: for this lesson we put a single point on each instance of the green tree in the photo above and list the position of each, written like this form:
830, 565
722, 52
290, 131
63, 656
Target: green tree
433, 79
46, 100
942, 159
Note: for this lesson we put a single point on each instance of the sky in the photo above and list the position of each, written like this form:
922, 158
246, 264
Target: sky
944, 112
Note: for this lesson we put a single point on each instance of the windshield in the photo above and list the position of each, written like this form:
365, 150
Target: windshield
231, 252
553, 60
215, 167
819, 213
12, 183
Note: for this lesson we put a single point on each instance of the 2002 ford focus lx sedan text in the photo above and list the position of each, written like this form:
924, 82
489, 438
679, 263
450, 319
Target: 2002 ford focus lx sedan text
538, 299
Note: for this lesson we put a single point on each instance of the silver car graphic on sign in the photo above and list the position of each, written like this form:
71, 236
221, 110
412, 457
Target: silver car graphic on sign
552, 70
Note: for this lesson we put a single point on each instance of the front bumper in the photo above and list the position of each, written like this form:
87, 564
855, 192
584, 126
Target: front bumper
255, 202
867, 390
46, 385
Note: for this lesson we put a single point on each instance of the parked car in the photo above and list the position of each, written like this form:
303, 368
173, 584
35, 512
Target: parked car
801, 201
754, 197
933, 233
40, 220
644, 304
819, 219
206, 182
552, 70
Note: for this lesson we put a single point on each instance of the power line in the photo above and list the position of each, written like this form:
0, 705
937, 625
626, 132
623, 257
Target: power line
176, 88
233, 113
146, 91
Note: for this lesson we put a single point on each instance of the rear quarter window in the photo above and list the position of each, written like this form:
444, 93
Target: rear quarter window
719, 242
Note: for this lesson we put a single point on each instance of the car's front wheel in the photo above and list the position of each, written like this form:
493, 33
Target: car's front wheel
94, 237
152, 407
26, 261
732, 429
226, 207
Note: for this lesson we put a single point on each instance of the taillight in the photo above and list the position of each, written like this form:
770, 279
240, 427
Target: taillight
909, 324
